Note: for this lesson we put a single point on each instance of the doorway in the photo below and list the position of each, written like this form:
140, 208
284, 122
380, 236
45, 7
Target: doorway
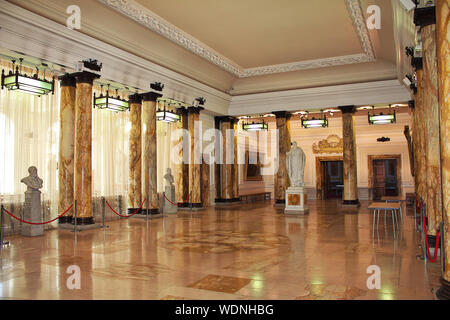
329, 177
384, 176
333, 179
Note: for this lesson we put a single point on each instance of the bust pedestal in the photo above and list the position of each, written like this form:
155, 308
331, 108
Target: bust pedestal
32, 213
170, 194
296, 201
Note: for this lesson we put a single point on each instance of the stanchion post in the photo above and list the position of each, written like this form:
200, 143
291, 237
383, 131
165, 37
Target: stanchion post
103, 211
164, 202
146, 212
75, 221
1, 228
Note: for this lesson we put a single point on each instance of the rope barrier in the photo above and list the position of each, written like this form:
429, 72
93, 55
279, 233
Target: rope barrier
176, 204
139, 209
432, 260
38, 223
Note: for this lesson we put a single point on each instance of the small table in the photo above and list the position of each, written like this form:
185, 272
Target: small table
384, 206
395, 199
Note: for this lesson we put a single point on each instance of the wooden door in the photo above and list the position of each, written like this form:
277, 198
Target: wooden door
379, 172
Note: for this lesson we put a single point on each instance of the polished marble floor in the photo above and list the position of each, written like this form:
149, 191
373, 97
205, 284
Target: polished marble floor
249, 251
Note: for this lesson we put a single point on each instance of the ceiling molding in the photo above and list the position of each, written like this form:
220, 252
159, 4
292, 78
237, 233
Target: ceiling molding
367, 93
139, 13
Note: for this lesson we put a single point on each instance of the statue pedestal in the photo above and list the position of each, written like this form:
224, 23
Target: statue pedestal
170, 194
32, 213
296, 201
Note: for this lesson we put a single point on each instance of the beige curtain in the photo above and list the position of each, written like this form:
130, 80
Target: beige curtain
29, 133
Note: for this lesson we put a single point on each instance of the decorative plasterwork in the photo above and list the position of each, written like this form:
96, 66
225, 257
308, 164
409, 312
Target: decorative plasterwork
137, 12
332, 144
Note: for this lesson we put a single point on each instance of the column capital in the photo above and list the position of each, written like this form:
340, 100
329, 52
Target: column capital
348, 109
193, 109
282, 114
67, 80
425, 16
135, 98
225, 119
182, 111
150, 96
85, 77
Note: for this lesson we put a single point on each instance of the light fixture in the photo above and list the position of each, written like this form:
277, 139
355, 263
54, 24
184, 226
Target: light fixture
255, 126
408, 4
315, 123
110, 102
166, 116
382, 118
16, 81
198, 102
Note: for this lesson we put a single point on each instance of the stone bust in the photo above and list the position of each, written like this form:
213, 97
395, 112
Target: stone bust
169, 178
295, 162
33, 182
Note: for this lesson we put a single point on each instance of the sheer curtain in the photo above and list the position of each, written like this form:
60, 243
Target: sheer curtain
164, 148
29, 135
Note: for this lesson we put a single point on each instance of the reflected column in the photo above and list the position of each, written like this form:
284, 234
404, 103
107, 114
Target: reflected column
66, 146
350, 164
83, 147
149, 148
135, 163
443, 54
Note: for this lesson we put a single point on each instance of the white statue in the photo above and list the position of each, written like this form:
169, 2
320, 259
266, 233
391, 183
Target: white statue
295, 162
33, 182
169, 178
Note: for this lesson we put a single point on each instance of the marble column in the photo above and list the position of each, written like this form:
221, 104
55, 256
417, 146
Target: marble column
182, 168
83, 147
235, 166
218, 156
284, 145
135, 162
418, 134
195, 156
443, 55
421, 141
228, 160
431, 115
350, 165
205, 183
150, 189
66, 146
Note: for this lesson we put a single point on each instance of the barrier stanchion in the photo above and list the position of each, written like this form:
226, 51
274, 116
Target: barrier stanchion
1, 228
75, 216
148, 207
103, 213
164, 203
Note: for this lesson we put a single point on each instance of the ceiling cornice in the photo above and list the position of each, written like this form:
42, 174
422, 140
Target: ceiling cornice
137, 12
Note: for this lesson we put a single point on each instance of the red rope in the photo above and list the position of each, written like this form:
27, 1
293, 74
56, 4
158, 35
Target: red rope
128, 215
426, 241
176, 204
38, 223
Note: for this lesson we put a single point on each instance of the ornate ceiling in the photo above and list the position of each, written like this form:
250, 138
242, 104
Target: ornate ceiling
232, 37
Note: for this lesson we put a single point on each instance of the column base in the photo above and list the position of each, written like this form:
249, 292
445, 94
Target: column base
443, 293
65, 219
351, 203
227, 201
280, 203
83, 221
133, 210
153, 211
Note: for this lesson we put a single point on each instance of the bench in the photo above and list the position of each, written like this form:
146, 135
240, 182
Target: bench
255, 195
